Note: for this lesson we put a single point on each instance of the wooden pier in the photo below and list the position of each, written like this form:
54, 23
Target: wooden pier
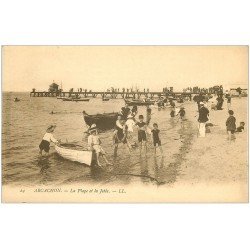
111, 95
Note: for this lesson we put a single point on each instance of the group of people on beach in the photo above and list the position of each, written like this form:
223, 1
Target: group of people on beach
204, 115
123, 133
126, 123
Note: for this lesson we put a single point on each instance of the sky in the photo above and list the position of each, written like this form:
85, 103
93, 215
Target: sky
101, 67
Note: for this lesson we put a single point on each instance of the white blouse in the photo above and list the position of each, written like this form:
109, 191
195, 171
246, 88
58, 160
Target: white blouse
49, 137
130, 123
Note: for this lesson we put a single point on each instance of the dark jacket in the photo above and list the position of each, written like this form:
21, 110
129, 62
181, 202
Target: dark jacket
203, 114
231, 123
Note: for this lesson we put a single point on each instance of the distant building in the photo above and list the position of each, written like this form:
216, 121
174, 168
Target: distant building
53, 87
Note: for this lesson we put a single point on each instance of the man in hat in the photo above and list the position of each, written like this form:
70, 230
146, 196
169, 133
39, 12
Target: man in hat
47, 138
94, 143
202, 119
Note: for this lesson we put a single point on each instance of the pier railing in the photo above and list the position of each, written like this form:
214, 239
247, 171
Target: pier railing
111, 95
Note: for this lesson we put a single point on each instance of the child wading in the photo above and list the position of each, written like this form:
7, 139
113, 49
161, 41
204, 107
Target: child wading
47, 138
231, 125
172, 113
156, 139
142, 138
120, 136
182, 113
94, 143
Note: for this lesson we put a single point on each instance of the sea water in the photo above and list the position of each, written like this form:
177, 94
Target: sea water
24, 124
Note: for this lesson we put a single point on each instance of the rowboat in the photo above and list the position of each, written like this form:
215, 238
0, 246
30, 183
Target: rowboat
76, 99
81, 100
139, 102
74, 152
103, 121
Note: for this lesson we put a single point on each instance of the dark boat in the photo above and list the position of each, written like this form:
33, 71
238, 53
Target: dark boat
103, 121
76, 99
81, 100
67, 99
105, 99
139, 102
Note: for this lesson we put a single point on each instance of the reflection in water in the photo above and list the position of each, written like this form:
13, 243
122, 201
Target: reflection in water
44, 164
159, 170
144, 169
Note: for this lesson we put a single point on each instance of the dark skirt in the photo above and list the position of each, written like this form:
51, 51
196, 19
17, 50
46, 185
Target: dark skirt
44, 145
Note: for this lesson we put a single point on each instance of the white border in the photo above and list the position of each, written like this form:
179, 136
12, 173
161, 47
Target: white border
119, 226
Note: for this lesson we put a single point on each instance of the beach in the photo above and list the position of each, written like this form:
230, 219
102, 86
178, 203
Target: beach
188, 162
214, 160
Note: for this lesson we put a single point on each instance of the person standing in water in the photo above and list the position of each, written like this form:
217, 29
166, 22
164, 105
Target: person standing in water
231, 125
172, 113
120, 136
142, 138
228, 97
47, 138
94, 143
130, 123
203, 118
182, 113
156, 139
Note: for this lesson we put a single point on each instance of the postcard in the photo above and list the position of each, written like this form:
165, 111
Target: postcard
124, 124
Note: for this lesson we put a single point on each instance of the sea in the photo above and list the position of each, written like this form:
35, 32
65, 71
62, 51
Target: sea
24, 123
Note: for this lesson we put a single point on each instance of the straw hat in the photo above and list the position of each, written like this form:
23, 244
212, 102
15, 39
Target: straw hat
50, 128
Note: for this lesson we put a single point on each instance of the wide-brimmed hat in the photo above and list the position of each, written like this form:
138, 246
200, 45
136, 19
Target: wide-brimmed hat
50, 128
202, 103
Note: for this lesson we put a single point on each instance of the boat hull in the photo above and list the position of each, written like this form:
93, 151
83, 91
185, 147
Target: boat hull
69, 152
139, 103
102, 121
75, 100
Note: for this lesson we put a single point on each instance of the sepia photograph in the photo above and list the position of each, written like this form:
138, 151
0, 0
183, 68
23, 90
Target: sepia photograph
125, 124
